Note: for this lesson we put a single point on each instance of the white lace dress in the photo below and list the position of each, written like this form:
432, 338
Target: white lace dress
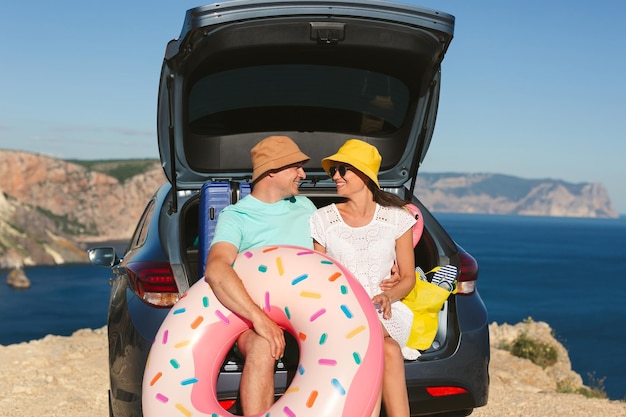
369, 253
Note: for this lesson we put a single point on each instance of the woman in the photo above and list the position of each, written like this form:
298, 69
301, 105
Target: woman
368, 233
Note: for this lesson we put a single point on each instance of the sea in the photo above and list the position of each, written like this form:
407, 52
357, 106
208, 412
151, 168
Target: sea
564, 271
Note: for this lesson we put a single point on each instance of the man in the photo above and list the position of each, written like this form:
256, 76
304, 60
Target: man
273, 214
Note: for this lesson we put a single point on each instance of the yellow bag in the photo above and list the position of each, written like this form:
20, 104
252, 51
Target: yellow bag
425, 300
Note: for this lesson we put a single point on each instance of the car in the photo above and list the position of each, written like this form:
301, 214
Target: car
320, 72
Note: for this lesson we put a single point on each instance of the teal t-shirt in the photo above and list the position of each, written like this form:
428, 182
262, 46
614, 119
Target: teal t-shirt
251, 223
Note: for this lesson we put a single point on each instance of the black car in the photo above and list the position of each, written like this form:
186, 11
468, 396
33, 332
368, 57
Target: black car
320, 72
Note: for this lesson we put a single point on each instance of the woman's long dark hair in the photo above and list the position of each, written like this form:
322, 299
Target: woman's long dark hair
385, 198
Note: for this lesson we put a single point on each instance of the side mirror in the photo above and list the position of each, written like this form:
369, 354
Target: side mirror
105, 256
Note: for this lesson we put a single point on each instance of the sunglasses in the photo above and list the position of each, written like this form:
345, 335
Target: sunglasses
341, 169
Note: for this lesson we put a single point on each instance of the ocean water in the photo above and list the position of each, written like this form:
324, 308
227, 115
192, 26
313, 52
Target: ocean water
565, 272
61, 300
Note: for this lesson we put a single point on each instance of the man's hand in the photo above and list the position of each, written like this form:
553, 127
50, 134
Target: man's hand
389, 283
270, 331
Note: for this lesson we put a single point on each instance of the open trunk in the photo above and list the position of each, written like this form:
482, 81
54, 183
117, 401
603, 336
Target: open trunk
318, 72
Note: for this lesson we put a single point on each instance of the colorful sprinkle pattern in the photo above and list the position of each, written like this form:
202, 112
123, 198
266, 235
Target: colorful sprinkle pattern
304, 292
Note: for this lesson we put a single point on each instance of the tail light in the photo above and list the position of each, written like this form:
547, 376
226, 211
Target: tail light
445, 391
154, 283
469, 274
227, 404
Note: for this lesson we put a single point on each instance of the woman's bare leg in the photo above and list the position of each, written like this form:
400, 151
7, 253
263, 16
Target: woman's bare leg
395, 397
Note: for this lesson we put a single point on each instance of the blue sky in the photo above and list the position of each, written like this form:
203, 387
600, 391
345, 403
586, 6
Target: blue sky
530, 88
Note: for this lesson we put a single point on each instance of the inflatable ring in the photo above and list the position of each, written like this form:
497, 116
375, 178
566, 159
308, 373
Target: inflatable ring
305, 292
418, 227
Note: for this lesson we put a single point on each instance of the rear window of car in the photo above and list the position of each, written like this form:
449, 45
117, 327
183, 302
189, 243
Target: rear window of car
296, 97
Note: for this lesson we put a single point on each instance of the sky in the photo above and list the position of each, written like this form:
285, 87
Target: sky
530, 88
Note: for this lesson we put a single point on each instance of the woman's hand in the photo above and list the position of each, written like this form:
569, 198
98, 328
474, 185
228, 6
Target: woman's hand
382, 304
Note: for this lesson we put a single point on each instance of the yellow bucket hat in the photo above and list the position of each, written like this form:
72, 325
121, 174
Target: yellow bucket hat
361, 155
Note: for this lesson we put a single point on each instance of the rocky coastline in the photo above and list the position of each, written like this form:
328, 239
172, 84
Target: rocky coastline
50, 207
60, 376
16, 278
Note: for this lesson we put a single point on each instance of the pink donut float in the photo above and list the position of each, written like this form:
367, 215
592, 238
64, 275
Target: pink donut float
418, 227
306, 293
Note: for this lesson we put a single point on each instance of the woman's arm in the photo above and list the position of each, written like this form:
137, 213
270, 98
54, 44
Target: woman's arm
406, 275
318, 247
405, 259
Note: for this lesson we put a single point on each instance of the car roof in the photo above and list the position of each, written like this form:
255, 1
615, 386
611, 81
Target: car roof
320, 72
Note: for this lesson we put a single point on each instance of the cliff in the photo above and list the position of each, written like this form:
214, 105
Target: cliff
504, 194
68, 376
49, 207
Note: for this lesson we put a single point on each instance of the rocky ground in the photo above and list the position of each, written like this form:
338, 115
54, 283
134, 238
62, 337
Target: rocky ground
67, 376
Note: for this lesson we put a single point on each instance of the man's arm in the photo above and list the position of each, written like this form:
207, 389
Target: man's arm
231, 292
389, 283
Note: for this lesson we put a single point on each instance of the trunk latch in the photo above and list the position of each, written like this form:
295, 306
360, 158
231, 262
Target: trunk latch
327, 32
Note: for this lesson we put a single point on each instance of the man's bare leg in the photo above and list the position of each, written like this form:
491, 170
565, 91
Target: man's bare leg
257, 379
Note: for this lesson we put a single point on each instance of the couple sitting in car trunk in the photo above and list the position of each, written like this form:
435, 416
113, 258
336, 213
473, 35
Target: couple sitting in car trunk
369, 233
